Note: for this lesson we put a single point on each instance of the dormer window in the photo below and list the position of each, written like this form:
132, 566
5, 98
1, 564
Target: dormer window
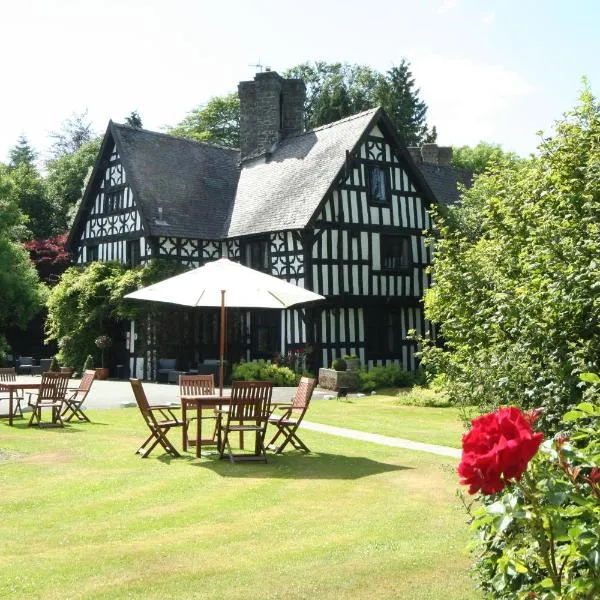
377, 181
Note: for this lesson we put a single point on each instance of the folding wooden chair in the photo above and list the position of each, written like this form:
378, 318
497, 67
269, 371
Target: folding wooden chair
287, 423
159, 427
248, 412
73, 405
198, 385
10, 374
50, 395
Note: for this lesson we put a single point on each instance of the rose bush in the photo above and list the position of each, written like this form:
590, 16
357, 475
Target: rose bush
537, 520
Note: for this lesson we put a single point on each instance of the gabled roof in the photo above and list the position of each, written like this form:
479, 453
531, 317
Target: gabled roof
283, 190
193, 182
205, 193
444, 181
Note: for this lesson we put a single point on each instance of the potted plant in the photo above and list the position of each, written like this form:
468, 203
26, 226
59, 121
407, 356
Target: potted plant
352, 362
339, 364
102, 342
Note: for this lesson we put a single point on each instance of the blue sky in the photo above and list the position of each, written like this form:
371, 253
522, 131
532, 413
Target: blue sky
498, 71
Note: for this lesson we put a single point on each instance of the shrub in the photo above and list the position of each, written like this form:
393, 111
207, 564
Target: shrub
516, 276
388, 376
423, 396
539, 536
339, 364
261, 370
54, 366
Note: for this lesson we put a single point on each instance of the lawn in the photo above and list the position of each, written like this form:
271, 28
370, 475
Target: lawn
84, 517
387, 416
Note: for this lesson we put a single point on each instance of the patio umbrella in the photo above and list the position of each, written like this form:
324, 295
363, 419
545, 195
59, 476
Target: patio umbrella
223, 283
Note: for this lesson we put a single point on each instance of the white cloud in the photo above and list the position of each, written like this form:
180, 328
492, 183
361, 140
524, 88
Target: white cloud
470, 101
445, 7
488, 18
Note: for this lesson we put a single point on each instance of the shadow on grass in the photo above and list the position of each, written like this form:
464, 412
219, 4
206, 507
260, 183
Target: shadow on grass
69, 426
300, 466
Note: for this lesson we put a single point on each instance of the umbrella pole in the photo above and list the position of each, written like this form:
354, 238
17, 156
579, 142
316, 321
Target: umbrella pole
222, 342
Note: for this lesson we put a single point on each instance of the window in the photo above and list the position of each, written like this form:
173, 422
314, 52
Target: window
133, 253
384, 337
255, 254
395, 252
91, 253
264, 333
113, 201
378, 184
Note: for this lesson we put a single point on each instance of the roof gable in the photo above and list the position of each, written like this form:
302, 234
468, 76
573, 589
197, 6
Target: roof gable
284, 189
192, 182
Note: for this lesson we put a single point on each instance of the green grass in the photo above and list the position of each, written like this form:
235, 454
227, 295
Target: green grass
84, 517
388, 415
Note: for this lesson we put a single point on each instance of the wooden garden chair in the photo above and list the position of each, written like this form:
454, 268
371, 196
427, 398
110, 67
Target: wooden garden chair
51, 395
10, 374
248, 412
159, 419
288, 422
73, 405
199, 385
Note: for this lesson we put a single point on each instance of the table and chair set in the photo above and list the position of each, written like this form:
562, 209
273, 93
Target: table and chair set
247, 409
50, 395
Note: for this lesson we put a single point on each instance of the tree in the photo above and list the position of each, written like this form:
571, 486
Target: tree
338, 90
335, 90
516, 288
478, 158
22, 293
218, 122
89, 302
49, 256
397, 95
29, 193
22, 153
74, 133
65, 182
134, 120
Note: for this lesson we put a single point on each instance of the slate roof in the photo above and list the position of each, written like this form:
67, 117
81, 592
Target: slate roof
193, 182
444, 179
284, 190
204, 193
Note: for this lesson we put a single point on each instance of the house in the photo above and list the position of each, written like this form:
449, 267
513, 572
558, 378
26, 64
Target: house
339, 209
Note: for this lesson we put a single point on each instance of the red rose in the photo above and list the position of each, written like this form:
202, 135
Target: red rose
496, 450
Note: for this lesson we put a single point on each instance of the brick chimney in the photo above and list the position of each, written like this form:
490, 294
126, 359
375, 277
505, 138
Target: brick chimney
271, 108
432, 154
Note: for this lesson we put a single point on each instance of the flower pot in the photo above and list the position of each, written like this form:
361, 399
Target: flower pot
331, 379
102, 373
68, 370
352, 364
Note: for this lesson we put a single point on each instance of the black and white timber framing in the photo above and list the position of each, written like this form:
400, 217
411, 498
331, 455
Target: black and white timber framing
340, 210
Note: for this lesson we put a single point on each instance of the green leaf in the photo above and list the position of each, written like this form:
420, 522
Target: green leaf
594, 558
589, 377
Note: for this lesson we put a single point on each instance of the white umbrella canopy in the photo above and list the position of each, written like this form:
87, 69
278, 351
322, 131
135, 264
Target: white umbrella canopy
223, 283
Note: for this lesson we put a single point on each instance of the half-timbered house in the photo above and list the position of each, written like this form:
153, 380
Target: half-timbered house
340, 209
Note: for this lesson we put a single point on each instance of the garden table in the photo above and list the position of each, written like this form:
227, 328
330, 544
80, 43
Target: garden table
11, 386
199, 403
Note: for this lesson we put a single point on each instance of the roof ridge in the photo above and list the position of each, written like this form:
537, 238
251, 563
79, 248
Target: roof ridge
176, 137
335, 123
